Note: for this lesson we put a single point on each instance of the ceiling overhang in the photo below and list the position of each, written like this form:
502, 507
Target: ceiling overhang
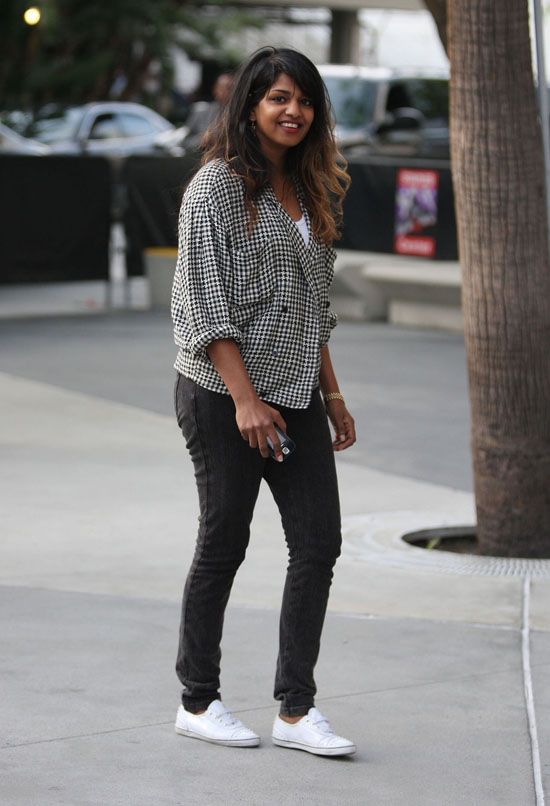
340, 5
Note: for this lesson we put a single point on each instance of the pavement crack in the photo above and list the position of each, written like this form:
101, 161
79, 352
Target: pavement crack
84, 735
420, 684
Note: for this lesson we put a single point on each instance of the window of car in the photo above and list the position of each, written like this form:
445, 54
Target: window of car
106, 127
352, 100
429, 95
135, 125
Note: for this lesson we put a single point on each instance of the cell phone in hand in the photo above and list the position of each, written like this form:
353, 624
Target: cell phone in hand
287, 445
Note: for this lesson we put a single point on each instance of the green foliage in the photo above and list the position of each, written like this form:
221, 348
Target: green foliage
79, 47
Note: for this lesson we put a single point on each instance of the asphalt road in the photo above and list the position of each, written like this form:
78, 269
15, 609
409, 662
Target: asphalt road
407, 389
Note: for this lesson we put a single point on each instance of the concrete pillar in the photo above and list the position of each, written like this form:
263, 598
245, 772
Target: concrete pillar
344, 42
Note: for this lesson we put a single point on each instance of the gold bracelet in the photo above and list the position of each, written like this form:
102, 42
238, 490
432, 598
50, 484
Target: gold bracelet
333, 396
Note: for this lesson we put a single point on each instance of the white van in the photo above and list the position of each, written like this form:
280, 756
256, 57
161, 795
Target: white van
383, 111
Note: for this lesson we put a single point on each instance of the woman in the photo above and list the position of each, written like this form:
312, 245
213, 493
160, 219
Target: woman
252, 321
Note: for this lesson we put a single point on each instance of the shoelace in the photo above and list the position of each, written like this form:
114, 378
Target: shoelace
226, 717
326, 725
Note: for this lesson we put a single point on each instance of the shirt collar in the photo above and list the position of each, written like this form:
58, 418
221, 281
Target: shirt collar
269, 195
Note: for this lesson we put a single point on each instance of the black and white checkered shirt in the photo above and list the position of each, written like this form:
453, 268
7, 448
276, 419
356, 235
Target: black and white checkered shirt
266, 290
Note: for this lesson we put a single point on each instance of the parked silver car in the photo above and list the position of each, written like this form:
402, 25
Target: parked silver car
13, 143
107, 128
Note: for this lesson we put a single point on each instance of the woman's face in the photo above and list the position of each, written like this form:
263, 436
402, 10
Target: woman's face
283, 117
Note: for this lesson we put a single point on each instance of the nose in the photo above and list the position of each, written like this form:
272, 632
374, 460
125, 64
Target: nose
293, 107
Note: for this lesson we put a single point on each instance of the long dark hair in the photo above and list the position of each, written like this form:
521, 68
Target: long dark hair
316, 161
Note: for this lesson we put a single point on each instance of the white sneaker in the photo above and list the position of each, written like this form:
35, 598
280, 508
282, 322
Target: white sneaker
216, 725
312, 734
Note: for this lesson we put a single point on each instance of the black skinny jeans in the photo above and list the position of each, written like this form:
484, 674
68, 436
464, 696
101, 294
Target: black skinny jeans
228, 475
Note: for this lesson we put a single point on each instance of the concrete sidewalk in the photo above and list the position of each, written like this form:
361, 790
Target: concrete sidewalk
422, 665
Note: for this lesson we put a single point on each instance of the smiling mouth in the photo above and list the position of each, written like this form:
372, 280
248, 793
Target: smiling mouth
288, 125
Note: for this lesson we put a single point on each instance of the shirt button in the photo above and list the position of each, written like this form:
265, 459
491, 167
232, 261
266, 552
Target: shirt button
275, 352
327, 304
284, 309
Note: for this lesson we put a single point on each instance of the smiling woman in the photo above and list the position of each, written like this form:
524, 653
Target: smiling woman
310, 154
282, 118
252, 321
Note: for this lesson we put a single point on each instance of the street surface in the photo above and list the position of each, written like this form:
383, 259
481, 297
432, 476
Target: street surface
407, 389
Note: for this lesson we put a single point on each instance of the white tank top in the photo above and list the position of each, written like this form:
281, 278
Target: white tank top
302, 226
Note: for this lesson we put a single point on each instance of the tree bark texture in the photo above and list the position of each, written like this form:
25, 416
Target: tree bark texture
498, 176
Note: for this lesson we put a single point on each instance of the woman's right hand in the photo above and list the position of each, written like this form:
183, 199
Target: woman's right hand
256, 421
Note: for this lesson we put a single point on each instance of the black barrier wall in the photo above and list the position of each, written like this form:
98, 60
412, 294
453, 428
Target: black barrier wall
56, 211
153, 189
371, 214
55, 218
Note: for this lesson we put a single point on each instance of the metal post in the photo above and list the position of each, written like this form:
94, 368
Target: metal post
543, 106
118, 277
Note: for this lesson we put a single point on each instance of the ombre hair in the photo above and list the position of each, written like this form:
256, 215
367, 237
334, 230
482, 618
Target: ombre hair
315, 161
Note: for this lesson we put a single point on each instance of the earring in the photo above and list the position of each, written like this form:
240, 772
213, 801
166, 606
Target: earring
253, 126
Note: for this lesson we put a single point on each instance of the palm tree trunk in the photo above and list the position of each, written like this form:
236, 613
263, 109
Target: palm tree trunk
498, 176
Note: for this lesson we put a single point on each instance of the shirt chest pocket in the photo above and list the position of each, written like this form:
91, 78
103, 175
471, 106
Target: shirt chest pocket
253, 278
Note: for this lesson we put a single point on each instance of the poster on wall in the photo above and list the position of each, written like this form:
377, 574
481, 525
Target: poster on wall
416, 212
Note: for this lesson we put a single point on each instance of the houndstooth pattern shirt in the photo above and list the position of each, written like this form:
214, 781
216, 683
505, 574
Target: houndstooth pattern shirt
266, 290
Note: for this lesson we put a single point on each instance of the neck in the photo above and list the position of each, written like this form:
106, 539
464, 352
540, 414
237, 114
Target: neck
278, 173
277, 159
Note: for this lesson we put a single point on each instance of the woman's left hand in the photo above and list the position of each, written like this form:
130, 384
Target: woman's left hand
342, 423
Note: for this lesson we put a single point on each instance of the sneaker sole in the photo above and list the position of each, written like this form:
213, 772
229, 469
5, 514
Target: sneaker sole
225, 742
347, 750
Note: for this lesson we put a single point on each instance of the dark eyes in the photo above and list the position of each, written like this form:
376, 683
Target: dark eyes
282, 98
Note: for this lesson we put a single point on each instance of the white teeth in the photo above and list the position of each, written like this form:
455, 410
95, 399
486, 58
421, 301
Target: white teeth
290, 125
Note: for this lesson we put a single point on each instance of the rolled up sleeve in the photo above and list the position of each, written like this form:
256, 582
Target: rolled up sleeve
200, 311
332, 319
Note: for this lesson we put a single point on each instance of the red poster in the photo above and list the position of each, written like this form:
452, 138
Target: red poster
415, 212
